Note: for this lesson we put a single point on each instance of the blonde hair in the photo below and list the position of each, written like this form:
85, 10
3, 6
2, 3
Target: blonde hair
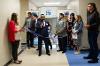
66, 18
79, 18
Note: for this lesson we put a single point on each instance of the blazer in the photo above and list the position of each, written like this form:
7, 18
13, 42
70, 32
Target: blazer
32, 25
42, 30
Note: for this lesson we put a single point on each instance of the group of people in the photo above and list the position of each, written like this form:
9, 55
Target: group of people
34, 27
69, 30
40, 28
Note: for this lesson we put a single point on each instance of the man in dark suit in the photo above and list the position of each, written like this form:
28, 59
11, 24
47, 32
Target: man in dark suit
42, 29
33, 25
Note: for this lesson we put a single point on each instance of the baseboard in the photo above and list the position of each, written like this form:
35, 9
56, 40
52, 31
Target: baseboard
11, 59
8, 62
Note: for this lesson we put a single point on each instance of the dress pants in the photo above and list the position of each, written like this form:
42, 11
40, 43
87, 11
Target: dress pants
62, 43
92, 39
30, 39
46, 41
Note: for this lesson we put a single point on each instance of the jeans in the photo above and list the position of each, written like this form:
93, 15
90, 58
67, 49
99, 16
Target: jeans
15, 46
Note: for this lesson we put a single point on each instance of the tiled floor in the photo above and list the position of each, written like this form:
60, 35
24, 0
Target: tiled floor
30, 58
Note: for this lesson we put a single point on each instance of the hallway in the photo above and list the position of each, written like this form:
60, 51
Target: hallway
30, 58
51, 10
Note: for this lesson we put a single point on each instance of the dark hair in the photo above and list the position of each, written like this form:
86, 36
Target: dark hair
14, 18
29, 13
34, 14
61, 14
73, 19
94, 6
42, 14
72, 14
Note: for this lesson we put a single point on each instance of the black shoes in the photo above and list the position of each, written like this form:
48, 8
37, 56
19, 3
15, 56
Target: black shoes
59, 50
93, 61
37, 49
87, 57
39, 55
48, 54
63, 51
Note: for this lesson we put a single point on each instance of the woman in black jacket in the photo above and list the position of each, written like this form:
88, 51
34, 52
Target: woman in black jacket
70, 24
93, 22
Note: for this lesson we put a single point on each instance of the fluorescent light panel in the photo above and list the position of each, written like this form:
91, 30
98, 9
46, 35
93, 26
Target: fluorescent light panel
52, 3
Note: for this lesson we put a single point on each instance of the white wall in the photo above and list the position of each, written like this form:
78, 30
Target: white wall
32, 6
83, 11
74, 5
6, 8
24, 6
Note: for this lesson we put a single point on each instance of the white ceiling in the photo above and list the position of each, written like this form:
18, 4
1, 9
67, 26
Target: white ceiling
40, 3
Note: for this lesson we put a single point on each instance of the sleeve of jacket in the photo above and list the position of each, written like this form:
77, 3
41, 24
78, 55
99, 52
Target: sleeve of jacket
80, 26
96, 19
